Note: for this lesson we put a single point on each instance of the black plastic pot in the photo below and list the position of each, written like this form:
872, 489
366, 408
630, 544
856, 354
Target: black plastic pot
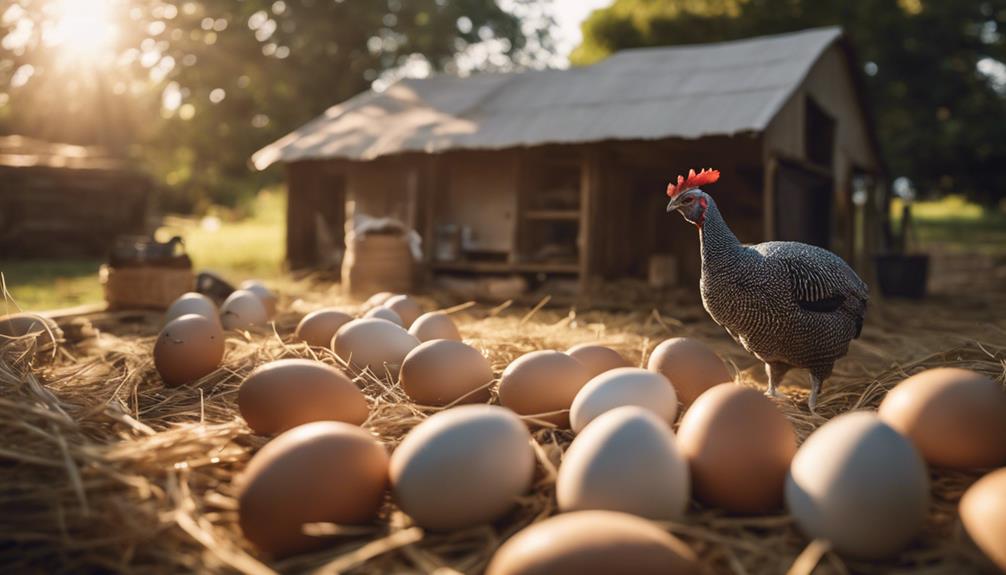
902, 275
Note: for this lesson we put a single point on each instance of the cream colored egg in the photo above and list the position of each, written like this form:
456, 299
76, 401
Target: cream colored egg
318, 327
435, 325
406, 308
462, 467
443, 371
626, 460
983, 514
192, 302
598, 358
374, 344
594, 543
381, 312
377, 299
188, 348
690, 365
542, 384
624, 386
264, 294
243, 310
859, 484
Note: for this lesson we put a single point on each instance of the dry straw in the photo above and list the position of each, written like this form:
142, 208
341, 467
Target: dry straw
105, 469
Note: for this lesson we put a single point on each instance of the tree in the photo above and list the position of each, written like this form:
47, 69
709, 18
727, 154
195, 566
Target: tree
193, 87
934, 71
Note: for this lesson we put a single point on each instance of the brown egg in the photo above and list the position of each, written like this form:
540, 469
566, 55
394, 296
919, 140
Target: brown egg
435, 325
286, 393
443, 371
598, 358
20, 332
377, 299
382, 312
983, 514
192, 302
373, 343
263, 293
319, 327
243, 310
594, 543
623, 386
690, 365
626, 460
739, 447
462, 467
326, 471
407, 308
541, 382
955, 417
188, 348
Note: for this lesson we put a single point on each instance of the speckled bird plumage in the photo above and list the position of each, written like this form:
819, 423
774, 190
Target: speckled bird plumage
791, 305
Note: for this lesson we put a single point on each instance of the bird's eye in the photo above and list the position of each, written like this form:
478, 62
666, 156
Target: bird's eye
689, 200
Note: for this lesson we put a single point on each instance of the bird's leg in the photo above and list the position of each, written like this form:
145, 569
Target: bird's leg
817, 377
775, 371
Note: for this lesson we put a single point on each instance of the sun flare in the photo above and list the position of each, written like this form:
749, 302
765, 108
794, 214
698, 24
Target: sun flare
83, 29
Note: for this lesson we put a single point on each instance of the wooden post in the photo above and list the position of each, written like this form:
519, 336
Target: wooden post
589, 189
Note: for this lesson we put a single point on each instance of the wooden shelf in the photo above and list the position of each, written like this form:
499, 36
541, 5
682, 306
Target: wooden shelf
552, 215
506, 267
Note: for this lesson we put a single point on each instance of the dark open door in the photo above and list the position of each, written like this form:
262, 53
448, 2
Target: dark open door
803, 205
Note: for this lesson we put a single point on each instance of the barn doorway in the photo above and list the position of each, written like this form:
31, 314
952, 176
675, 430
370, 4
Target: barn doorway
803, 204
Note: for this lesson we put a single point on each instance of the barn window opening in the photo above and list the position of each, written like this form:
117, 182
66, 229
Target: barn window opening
819, 134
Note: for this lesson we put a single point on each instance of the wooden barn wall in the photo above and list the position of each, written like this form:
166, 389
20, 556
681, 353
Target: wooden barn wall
830, 85
315, 188
385, 187
481, 192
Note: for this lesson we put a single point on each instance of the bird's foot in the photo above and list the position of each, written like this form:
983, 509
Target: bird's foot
774, 393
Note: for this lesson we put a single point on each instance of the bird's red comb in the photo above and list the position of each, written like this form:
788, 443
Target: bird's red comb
707, 176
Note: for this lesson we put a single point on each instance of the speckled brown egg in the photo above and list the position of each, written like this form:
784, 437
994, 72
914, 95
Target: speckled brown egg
188, 348
435, 325
192, 302
955, 417
375, 344
381, 312
739, 447
462, 467
407, 308
541, 382
623, 386
442, 371
243, 310
264, 294
598, 358
20, 332
318, 327
286, 393
690, 365
625, 460
326, 471
594, 543
983, 514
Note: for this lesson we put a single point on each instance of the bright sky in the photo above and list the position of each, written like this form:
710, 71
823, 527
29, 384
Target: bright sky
569, 14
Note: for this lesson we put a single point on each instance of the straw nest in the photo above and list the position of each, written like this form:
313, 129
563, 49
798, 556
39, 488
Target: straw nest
105, 469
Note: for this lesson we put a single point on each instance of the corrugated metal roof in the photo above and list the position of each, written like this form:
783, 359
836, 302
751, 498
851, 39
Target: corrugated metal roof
650, 93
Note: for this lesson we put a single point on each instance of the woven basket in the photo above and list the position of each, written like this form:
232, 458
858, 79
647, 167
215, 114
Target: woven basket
377, 262
144, 287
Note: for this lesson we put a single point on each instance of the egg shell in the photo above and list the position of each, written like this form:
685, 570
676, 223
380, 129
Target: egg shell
377, 299
187, 349
264, 294
624, 386
691, 366
442, 371
594, 543
739, 448
326, 471
19, 331
597, 358
541, 382
283, 394
318, 327
626, 460
375, 344
435, 325
384, 313
462, 467
860, 484
243, 310
955, 417
983, 514
192, 302
406, 308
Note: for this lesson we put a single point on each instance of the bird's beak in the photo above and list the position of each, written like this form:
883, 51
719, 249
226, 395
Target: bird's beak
671, 206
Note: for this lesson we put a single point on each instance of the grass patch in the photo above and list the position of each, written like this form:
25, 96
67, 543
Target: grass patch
954, 224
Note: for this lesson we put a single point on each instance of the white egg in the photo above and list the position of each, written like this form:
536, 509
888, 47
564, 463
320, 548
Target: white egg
623, 386
381, 312
192, 302
264, 294
242, 310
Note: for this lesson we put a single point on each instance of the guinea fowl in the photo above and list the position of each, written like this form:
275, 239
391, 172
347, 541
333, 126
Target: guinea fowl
791, 305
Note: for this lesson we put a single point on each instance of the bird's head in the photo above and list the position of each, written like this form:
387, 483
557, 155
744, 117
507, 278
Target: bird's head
688, 199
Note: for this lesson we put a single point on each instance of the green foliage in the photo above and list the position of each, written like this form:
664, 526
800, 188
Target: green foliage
935, 72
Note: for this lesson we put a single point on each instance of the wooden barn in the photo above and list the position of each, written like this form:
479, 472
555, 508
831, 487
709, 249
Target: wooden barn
62, 200
561, 173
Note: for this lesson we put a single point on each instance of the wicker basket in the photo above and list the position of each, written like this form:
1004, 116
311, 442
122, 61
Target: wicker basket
147, 287
377, 262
